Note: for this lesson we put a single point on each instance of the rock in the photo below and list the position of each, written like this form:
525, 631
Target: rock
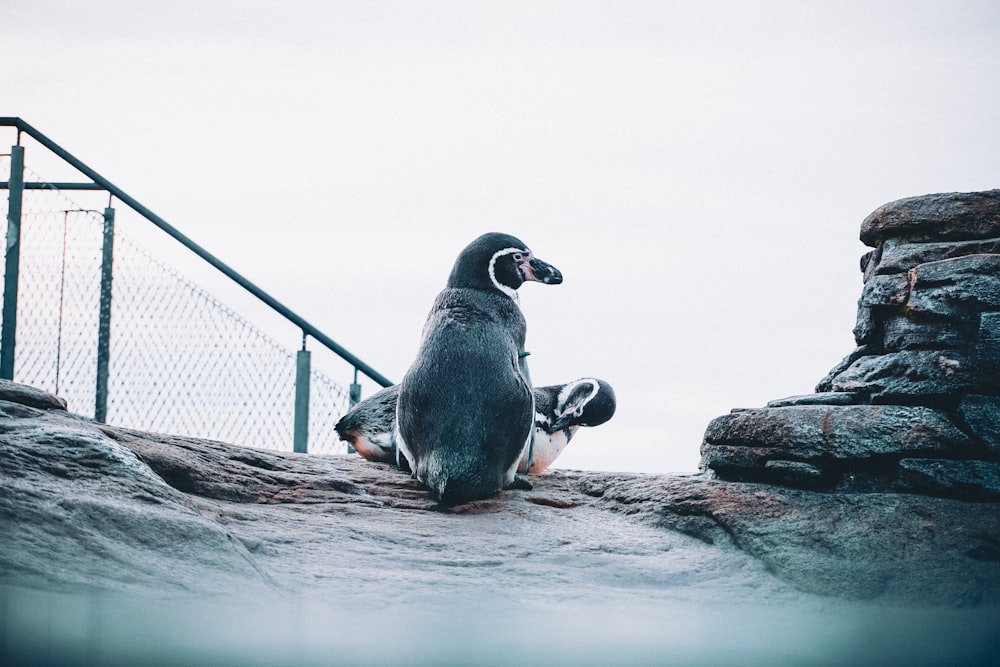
214, 470
24, 395
911, 331
870, 261
86, 506
79, 510
988, 348
884, 291
867, 332
970, 480
911, 375
980, 416
953, 216
821, 398
955, 286
817, 434
898, 257
123, 547
826, 384
928, 334
794, 473
825, 542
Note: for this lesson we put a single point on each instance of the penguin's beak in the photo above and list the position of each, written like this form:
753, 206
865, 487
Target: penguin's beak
561, 423
539, 271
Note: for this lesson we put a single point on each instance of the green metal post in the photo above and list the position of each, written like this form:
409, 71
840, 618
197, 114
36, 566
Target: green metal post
354, 397
355, 391
302, 363
104, 322
12, 263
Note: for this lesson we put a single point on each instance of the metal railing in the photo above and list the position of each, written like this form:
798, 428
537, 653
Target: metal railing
91, 314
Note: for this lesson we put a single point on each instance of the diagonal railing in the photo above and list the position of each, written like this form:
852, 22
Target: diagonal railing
116, 281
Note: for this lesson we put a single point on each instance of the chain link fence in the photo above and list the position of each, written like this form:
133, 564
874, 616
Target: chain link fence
181, 361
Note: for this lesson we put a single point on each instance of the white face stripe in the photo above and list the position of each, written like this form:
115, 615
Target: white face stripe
509, 291
564, 395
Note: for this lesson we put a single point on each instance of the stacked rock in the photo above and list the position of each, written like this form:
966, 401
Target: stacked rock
916, 406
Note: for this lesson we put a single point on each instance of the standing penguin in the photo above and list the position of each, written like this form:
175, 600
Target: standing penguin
465, 409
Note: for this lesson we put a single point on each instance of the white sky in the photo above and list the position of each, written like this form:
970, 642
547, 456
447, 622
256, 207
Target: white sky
698, 171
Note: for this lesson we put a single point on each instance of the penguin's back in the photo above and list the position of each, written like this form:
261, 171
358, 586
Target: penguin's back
465, 411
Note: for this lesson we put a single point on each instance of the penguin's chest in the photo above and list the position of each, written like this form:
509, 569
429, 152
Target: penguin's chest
547, 448
374, 446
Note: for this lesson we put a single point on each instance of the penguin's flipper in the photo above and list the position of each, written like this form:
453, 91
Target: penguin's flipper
520, 482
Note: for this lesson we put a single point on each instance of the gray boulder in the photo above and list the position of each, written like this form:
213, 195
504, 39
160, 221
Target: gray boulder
948, 216
846, 447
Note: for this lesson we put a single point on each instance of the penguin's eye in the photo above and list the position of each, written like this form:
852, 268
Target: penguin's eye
521, 257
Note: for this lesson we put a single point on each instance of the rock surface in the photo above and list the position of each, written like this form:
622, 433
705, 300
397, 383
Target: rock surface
122, 547
916, 406
928, 218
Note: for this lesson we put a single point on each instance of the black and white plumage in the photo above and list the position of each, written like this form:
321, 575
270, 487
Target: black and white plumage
560, 410
370, 426
465, 408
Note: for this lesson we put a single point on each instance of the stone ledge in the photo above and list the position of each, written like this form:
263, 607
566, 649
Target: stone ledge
972, 480
860, 448
952, 216
87, 506
907, 375
896, 257
22, 394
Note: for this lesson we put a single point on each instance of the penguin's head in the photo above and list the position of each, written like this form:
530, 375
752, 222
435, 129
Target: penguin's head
501, 262
585, 402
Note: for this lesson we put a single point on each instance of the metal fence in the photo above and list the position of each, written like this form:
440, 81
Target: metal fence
178, 360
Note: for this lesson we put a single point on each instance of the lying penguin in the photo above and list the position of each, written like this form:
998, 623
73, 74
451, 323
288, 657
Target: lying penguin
465, 408
560, 410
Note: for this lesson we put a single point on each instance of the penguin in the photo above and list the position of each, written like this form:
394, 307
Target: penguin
465, 410
369, 427
560, 410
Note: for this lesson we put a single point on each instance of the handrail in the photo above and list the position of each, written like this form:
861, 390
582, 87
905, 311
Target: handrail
104, 184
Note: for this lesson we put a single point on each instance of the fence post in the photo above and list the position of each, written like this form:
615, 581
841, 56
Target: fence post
355, 391
302, 363
12, 263
354, 397
104, 322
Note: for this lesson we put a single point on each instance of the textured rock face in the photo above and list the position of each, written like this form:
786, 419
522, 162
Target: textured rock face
916, 406
951, 216
358, 566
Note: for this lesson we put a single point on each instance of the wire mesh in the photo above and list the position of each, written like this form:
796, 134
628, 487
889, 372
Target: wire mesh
181, 361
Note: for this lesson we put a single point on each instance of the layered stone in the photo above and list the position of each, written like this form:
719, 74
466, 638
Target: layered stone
911, 375
978, 480
912, 332
767, 444
957, 286
896, 257
980, 417
928, 336
951, 216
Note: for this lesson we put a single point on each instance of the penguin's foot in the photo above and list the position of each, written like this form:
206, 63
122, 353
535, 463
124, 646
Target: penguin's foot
520, 482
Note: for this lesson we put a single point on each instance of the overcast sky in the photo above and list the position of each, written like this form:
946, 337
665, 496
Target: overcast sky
697, 170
